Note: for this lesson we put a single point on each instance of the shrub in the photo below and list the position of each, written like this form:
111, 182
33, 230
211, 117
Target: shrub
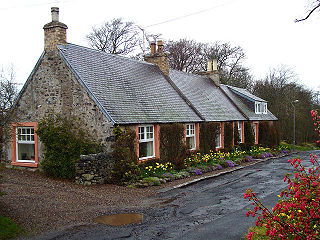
268, 136
316, 122
172, 145
124, 154
236, 135
297, 214
64, 142
207, 136
228, 136
248, 135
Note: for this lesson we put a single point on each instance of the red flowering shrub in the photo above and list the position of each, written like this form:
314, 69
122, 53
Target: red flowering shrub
316, 118
297, 213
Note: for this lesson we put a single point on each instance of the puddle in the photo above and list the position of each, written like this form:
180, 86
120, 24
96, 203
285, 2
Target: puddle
119, 219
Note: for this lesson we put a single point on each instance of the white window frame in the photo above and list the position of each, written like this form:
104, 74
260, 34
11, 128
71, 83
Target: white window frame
145, 139
191, 133
261, 108
219, 144
255, 132
239, 124
265, 108
25, 142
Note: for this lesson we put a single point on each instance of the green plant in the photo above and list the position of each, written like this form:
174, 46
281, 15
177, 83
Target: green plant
156, 170
268, 136
172, 145
9, 229
236, 135
248, 135
64, 142
125, 168
207, 136
297, 214
228, 136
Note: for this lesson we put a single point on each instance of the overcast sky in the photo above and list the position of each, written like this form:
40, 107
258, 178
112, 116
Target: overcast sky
264, 29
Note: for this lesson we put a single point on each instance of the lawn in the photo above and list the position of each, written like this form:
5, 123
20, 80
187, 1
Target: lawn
9, 229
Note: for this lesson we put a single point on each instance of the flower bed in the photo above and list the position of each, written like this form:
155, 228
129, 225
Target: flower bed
197, 164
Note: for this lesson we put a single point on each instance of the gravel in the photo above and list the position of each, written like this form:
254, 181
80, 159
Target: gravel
40, 204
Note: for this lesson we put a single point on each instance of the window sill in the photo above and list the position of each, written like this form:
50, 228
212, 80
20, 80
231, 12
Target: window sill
140, 160
24, 164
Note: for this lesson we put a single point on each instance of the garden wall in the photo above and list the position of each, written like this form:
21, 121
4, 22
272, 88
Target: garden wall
94, 168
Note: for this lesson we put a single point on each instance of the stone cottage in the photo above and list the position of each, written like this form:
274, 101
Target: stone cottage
105, 90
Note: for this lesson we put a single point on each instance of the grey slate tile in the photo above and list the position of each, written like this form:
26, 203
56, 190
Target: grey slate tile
245, 109
130, 91
206, 97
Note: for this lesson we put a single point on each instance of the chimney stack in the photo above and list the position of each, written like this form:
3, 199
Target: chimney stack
158, 57
212, 71
55, 32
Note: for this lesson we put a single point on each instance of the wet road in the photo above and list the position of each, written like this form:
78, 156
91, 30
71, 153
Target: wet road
210, 209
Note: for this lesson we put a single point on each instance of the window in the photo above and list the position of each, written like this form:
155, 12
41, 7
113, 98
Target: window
24, 147
218, 138
25, 144
240, 131
265, 109
146, 142
190, 136
261, 107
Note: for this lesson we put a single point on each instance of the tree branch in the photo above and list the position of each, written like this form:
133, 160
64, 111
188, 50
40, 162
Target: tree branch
299, 20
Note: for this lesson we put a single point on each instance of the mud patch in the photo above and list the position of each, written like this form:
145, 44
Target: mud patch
119, 219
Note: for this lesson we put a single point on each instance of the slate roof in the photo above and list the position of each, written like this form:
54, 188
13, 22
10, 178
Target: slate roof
208, 99
251, 115
127, 90
245, 93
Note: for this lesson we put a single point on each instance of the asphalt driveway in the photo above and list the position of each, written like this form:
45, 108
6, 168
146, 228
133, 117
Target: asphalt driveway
210, 209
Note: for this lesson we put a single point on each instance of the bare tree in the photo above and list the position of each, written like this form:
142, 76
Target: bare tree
115, 36
229, 60
191, 56
185, 55
280, 87
144, 43
314, 6
8, 93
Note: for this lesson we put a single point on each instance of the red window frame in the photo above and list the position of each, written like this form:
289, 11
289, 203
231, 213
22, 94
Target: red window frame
14, 144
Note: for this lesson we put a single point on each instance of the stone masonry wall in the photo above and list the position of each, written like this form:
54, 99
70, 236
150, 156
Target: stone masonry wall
160, 59
54, 88
93, 168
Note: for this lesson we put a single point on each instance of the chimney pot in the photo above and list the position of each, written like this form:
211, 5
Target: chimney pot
55, 14
209, 66
153, 47
212, 65
160, 46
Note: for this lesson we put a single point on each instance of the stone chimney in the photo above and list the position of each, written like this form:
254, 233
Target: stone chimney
158, 57
55, 32
212, 71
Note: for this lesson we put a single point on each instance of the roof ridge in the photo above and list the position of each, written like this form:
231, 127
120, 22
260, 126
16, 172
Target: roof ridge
188, 73
106, 53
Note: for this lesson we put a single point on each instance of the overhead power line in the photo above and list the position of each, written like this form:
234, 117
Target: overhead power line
191, 14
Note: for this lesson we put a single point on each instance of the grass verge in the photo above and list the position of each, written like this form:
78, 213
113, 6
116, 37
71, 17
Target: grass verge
9, 229
259, 233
